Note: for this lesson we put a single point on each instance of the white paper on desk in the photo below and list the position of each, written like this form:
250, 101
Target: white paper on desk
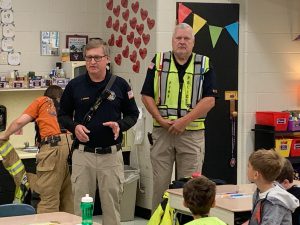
46, 223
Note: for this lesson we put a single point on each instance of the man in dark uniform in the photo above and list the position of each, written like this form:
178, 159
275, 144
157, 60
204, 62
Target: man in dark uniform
96, 159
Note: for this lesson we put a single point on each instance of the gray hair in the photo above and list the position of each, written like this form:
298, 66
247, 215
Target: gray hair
183, 26
96, 43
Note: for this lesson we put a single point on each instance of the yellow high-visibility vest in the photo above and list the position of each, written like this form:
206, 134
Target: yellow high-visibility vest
172, 99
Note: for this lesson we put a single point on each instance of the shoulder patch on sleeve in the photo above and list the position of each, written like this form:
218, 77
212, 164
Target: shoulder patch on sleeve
130, 94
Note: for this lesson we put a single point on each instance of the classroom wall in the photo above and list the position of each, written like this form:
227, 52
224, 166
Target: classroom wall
30, 18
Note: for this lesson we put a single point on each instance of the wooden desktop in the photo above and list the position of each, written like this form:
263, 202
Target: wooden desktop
57, 218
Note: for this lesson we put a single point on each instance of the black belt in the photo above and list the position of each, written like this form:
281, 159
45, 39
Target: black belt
52, 140
99, 150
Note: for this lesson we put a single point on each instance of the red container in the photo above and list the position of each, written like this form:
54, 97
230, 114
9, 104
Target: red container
295, 147
277, 119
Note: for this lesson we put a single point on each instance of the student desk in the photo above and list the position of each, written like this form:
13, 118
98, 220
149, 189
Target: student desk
226, 209
59, 218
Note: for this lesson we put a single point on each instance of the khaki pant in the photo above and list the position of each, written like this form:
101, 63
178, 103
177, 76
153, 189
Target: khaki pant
106, 171
53, 178
187, 150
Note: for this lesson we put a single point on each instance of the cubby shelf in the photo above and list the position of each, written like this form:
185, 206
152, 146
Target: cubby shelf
265, 138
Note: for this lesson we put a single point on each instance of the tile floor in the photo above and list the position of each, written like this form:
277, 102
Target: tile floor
136, 221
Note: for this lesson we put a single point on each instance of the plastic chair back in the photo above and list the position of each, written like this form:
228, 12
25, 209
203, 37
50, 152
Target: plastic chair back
7, 210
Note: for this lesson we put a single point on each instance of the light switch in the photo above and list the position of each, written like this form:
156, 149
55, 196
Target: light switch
3, 58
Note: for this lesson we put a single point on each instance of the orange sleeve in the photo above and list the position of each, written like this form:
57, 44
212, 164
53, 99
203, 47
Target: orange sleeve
33, 109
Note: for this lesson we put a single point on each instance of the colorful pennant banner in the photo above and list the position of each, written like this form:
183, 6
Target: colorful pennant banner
199, 22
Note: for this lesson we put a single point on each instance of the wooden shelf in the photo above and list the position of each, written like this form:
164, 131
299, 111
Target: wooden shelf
21, 89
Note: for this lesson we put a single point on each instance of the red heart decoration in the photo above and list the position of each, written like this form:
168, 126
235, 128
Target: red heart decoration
116, 25
136, 66
123, 29
133, 56
116, 11
119, 41
109, 4
125, 52
146, 38
111, 41
140, 28
144, 14
133, 22
130, 37
143, 52
124, 3
150, 23
137, 42
135, 6
118, 59
125, 14
109, 22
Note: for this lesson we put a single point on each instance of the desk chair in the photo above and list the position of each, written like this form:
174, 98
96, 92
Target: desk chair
7, 210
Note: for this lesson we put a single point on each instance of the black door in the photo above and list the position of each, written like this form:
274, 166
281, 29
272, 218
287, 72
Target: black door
217, 39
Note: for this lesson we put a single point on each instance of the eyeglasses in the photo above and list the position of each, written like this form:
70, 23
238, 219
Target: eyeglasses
97, 58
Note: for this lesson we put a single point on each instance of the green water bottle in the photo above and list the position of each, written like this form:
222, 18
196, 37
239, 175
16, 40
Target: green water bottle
87, 208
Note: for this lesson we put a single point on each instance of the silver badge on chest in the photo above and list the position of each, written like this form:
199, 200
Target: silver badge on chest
112, 96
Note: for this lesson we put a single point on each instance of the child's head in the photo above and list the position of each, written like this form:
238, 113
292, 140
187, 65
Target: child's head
199, 195
286, 176
265, 164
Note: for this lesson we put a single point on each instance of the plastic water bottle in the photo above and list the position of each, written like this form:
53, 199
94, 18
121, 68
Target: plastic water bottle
87, 208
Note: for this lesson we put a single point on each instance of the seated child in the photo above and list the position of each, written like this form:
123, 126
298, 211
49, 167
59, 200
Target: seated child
199, 196
286, 178
271, 203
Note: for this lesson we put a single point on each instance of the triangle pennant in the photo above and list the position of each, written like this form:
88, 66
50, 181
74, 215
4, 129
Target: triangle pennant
214, 34
233, 31
183, 12
198, 23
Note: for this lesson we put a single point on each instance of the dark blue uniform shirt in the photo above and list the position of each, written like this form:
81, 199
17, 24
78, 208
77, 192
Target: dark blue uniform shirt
80, 95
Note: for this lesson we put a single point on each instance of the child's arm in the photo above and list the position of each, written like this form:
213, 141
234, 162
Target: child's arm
274, 214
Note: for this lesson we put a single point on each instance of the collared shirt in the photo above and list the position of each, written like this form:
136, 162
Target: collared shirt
80, 95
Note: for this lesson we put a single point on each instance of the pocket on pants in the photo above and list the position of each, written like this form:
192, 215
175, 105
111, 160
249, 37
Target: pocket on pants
46, 160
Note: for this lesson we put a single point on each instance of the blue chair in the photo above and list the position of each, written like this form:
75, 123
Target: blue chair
16, 210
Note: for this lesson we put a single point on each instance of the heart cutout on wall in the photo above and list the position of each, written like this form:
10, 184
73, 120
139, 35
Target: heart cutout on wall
109, 22
116, 11
130, 32
135, 6
109, 4
144, 13
124, 3
125, 52
118, 59
133, 56
136, 67
130, 37
125, 14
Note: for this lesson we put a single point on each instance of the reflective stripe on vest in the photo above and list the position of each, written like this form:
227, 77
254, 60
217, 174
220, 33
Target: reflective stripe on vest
5, 149
16, 168
166, 87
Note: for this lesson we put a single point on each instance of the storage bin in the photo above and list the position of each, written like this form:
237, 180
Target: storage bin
295, 147
283, 146
294, 125
277, 119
